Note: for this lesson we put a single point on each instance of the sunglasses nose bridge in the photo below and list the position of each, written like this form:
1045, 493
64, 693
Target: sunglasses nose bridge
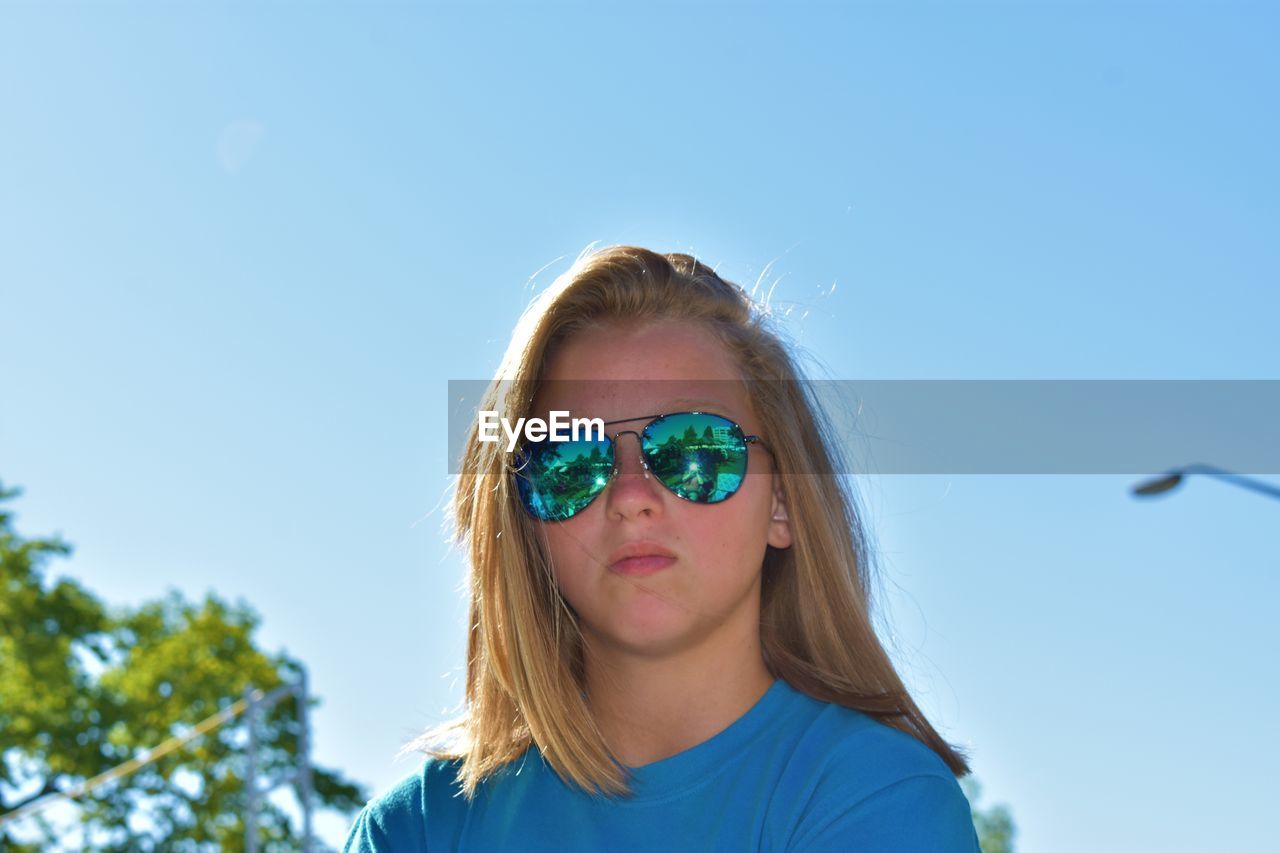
617, 452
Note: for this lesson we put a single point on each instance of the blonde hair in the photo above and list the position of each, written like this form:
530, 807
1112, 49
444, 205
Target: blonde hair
524, 676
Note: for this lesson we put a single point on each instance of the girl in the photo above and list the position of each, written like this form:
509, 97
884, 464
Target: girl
670, 644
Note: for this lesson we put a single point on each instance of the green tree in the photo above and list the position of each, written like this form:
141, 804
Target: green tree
84, 688
995, 825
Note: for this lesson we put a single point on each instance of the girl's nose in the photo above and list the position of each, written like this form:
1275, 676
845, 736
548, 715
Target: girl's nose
633, 489
627, 455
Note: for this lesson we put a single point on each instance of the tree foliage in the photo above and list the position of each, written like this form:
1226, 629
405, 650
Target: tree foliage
84, 688
995, 825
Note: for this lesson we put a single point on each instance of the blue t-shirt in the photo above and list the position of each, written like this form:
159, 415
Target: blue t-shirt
791, 774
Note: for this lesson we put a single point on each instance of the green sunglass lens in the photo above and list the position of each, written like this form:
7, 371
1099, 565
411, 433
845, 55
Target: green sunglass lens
557, 479
699, 457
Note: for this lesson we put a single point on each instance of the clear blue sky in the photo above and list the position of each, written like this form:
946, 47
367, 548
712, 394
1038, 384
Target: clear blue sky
244, 247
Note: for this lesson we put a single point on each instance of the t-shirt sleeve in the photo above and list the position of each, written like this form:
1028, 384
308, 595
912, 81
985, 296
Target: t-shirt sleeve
391, 823
919, 814
365, 835
373, 833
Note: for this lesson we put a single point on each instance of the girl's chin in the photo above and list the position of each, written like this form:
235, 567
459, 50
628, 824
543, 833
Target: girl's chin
644, 637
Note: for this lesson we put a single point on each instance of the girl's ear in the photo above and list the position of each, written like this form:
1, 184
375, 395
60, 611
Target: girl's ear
780, 523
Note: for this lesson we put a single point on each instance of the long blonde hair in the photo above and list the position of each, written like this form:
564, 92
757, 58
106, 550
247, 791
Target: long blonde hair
524, 649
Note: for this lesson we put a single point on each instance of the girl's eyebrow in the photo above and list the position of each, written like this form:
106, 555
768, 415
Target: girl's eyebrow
681, 404
696, 403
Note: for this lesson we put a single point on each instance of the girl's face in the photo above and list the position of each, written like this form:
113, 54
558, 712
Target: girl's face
701, 580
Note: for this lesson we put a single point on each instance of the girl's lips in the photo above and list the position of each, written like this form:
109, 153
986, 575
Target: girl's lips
645, 565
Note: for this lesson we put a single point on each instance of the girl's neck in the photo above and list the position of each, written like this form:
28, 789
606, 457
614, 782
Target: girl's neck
653, 708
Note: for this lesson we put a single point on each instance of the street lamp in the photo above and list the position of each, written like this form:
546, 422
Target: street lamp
1171, 480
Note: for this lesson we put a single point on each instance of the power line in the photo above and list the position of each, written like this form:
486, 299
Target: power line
132, 765
253, 701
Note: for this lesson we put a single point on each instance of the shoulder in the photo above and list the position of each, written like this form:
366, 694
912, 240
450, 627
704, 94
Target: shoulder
397, 819
881, 786
839, 745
